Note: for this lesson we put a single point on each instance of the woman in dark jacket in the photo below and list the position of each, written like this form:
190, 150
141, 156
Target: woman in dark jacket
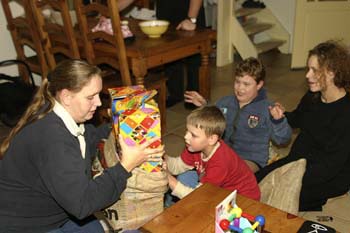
45, 171
323, 118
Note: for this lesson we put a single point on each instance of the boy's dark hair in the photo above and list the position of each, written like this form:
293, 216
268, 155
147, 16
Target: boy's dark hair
252, 67
208, 118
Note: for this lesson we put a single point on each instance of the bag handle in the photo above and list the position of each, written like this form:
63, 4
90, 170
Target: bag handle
14, 61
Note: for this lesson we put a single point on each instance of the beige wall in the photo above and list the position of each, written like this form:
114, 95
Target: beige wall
6, 46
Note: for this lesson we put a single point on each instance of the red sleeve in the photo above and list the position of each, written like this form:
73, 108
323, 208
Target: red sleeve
187, 157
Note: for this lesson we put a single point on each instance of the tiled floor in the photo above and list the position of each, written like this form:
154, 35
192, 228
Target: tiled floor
284, 85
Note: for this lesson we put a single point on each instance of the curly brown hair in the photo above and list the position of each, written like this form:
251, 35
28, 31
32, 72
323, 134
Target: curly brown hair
334, 56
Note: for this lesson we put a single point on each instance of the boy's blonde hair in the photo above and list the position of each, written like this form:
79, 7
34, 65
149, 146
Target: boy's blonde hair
208, 118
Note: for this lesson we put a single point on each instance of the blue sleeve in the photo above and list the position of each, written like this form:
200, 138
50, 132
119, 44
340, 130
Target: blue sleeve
281, 131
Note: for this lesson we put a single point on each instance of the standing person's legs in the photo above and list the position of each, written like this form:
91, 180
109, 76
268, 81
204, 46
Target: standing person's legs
193, 63
175, 84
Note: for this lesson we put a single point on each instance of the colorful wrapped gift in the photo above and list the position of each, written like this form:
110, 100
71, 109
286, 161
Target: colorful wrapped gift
136, 117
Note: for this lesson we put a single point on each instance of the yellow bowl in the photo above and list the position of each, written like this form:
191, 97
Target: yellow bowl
154, 28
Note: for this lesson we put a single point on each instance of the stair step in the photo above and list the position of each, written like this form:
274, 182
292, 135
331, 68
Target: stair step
255, 28
246, 11
268, 45
248, 21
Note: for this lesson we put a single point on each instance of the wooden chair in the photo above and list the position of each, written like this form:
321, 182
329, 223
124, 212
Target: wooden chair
97, 43
88, 16
55, 30
24, 36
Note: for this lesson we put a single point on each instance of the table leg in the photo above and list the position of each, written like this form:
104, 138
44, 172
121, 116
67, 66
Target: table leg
139, 70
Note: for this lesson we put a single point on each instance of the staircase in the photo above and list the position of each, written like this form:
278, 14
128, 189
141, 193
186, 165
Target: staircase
248, 31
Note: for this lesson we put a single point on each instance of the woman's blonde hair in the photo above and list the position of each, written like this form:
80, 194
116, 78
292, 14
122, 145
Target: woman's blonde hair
72, 75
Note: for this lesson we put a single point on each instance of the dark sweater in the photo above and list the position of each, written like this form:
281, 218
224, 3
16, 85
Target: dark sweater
44, 180
176, 11
324, 140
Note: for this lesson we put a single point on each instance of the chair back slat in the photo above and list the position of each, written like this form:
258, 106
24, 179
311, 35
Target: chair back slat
56, 31
97, 43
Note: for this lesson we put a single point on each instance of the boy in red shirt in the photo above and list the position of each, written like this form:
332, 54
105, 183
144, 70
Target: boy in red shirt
213, 161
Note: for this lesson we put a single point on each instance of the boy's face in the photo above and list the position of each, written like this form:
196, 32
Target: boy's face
195, 139
246, 89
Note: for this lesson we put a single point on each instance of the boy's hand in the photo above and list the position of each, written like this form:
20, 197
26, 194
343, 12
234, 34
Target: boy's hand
194, 98
172, 181
277, 111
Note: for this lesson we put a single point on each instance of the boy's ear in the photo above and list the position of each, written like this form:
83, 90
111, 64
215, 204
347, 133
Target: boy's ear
213, 139
260, 84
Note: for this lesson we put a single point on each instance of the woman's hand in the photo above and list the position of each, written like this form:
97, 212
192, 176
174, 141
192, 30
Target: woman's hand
277, 111
132, 156
165, 166
194, 98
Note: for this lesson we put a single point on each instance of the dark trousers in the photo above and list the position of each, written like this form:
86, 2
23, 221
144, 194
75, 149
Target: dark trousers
175, 12
314, 191
175, 72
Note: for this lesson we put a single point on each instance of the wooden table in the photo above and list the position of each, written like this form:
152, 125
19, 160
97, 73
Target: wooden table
196, 213
145, 53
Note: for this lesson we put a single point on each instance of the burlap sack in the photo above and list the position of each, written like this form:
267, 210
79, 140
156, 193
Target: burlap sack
143, 198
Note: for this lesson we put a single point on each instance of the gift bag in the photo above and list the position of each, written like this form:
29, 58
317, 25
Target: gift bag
143, 197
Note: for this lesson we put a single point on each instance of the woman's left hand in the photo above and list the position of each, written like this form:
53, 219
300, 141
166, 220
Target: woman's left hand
277, 111
132, 156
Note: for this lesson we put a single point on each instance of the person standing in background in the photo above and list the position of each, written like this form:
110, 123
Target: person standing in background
187, 15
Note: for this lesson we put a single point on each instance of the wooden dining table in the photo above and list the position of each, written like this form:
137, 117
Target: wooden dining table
145, 53
196, 213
